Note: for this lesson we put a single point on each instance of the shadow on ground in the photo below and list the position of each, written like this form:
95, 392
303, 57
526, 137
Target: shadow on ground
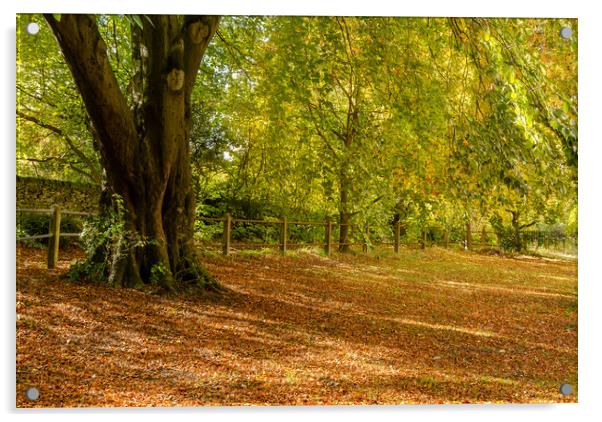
424, 327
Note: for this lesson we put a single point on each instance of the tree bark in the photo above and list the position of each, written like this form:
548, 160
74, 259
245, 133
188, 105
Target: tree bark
144, 145
344, 213
344, 232
516, 231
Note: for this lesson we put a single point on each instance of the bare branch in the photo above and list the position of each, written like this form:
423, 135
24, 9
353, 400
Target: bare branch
38, 160
319, 131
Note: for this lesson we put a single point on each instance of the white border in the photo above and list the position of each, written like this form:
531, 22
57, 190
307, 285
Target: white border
508, 8
590, 280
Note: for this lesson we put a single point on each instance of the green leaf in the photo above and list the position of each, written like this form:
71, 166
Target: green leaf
137, 21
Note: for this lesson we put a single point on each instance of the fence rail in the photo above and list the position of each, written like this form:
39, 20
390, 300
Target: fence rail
35, 237
54, 234
35, 210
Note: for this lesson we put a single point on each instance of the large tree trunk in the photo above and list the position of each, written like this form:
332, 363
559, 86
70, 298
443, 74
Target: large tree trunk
144, 144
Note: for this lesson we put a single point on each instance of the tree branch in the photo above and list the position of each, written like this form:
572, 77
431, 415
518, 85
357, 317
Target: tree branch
374, 201
83, 172
95, 175
320, 134
198, 31
234, 47
524, 226
85, 53
38, 160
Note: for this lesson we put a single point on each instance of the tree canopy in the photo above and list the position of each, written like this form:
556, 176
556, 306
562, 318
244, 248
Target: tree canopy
365, 120
432, 119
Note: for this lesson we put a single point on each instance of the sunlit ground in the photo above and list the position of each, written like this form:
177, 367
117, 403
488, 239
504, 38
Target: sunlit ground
428, 326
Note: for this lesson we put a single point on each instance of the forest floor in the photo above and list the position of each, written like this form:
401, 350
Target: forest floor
432, 326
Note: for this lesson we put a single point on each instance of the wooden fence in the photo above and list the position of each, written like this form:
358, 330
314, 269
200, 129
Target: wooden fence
329, 229
54, 232
283, 228
468, 239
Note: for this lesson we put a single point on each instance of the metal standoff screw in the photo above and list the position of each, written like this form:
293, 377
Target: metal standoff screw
33, 393
32, 28
566, 32
566, 389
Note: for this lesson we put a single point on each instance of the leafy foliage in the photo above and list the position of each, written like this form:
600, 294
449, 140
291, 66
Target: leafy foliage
38, 224
509, 238
105, 233
426, 121
54, 137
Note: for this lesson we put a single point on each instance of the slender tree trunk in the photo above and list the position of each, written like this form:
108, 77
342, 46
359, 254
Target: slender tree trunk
484, 237
144, 144
344, 214
344, 232
517, 239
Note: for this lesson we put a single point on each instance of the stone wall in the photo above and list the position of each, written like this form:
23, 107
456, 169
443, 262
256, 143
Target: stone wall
45, 193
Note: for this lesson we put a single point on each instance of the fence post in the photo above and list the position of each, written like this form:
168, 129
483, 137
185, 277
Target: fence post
327, 237
446, 238
283, 235
468, 236
397, 229
423, 239
55, 235
227, 233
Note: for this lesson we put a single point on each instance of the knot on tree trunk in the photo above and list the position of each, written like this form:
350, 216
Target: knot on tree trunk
197, 31
175, 79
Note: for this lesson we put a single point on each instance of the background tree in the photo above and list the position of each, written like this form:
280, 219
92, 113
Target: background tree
55, 137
